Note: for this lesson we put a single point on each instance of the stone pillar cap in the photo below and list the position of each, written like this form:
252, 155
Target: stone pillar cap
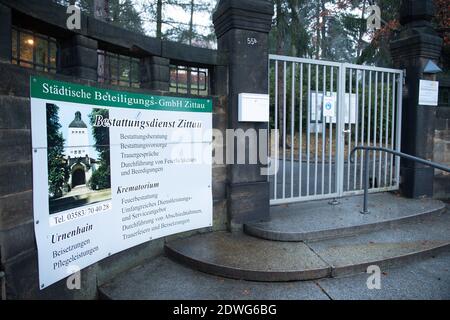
416, 10
253, 15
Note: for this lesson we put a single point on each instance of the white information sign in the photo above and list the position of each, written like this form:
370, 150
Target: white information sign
428, 93
114, 169
329, 106
349, 109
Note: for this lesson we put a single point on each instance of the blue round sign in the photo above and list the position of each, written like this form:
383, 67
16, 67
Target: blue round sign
328, 106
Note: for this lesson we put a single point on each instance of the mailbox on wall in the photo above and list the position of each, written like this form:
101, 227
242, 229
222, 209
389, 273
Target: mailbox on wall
253, 107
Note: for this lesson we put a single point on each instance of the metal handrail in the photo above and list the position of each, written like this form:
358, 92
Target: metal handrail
394, 152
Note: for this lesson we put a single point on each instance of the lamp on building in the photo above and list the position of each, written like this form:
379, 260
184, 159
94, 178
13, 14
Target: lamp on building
430, 70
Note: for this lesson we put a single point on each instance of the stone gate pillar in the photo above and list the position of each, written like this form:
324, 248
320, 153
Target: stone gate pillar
412, 48
79, 57
242, 28
5, 33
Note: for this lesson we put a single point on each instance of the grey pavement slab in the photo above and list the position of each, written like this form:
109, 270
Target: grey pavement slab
319, 219
428, 279
237, 255
163, 279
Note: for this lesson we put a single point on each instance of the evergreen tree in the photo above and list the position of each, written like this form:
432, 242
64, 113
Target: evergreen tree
58, 173
185, 32
101, 178
377, 51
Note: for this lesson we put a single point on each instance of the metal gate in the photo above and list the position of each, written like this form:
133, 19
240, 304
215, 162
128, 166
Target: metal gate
313, 145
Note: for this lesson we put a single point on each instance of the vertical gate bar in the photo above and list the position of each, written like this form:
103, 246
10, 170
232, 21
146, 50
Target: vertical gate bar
392, 128
386, 140
269, 137
300, 134
189, 80
349, 114
375, 120
324, 75
176, 78
399, 126
277, 144
308, 129
369, 113
284, 130
356, 128
381, 128
316, 143
198, 81
339, 134
362, 126
331, 134
292, 127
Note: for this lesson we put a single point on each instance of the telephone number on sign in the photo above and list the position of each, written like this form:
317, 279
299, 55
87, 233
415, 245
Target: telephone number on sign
78, 213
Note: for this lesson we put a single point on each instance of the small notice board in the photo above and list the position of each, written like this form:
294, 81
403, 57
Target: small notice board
428, 93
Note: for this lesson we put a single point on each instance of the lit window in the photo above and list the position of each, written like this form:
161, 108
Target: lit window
32, 50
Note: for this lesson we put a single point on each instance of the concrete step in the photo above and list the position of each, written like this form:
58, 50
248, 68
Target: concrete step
164, 279
240, 256
236, 255
319, 220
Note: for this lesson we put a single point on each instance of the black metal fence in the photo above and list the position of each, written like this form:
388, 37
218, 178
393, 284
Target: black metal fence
117, 69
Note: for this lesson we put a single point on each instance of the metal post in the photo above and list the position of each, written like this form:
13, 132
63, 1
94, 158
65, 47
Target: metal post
333, 202
2, 286
366, 181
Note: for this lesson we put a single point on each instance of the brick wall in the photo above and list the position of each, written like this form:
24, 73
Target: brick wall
442, 143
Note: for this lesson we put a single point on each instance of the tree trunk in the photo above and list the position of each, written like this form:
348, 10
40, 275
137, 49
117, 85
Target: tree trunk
324, 32
279, 81
361, 32
191, 23
101, 12
159, 19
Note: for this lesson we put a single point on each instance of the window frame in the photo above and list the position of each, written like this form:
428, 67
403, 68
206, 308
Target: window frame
174, 86
17, 32
117, 79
